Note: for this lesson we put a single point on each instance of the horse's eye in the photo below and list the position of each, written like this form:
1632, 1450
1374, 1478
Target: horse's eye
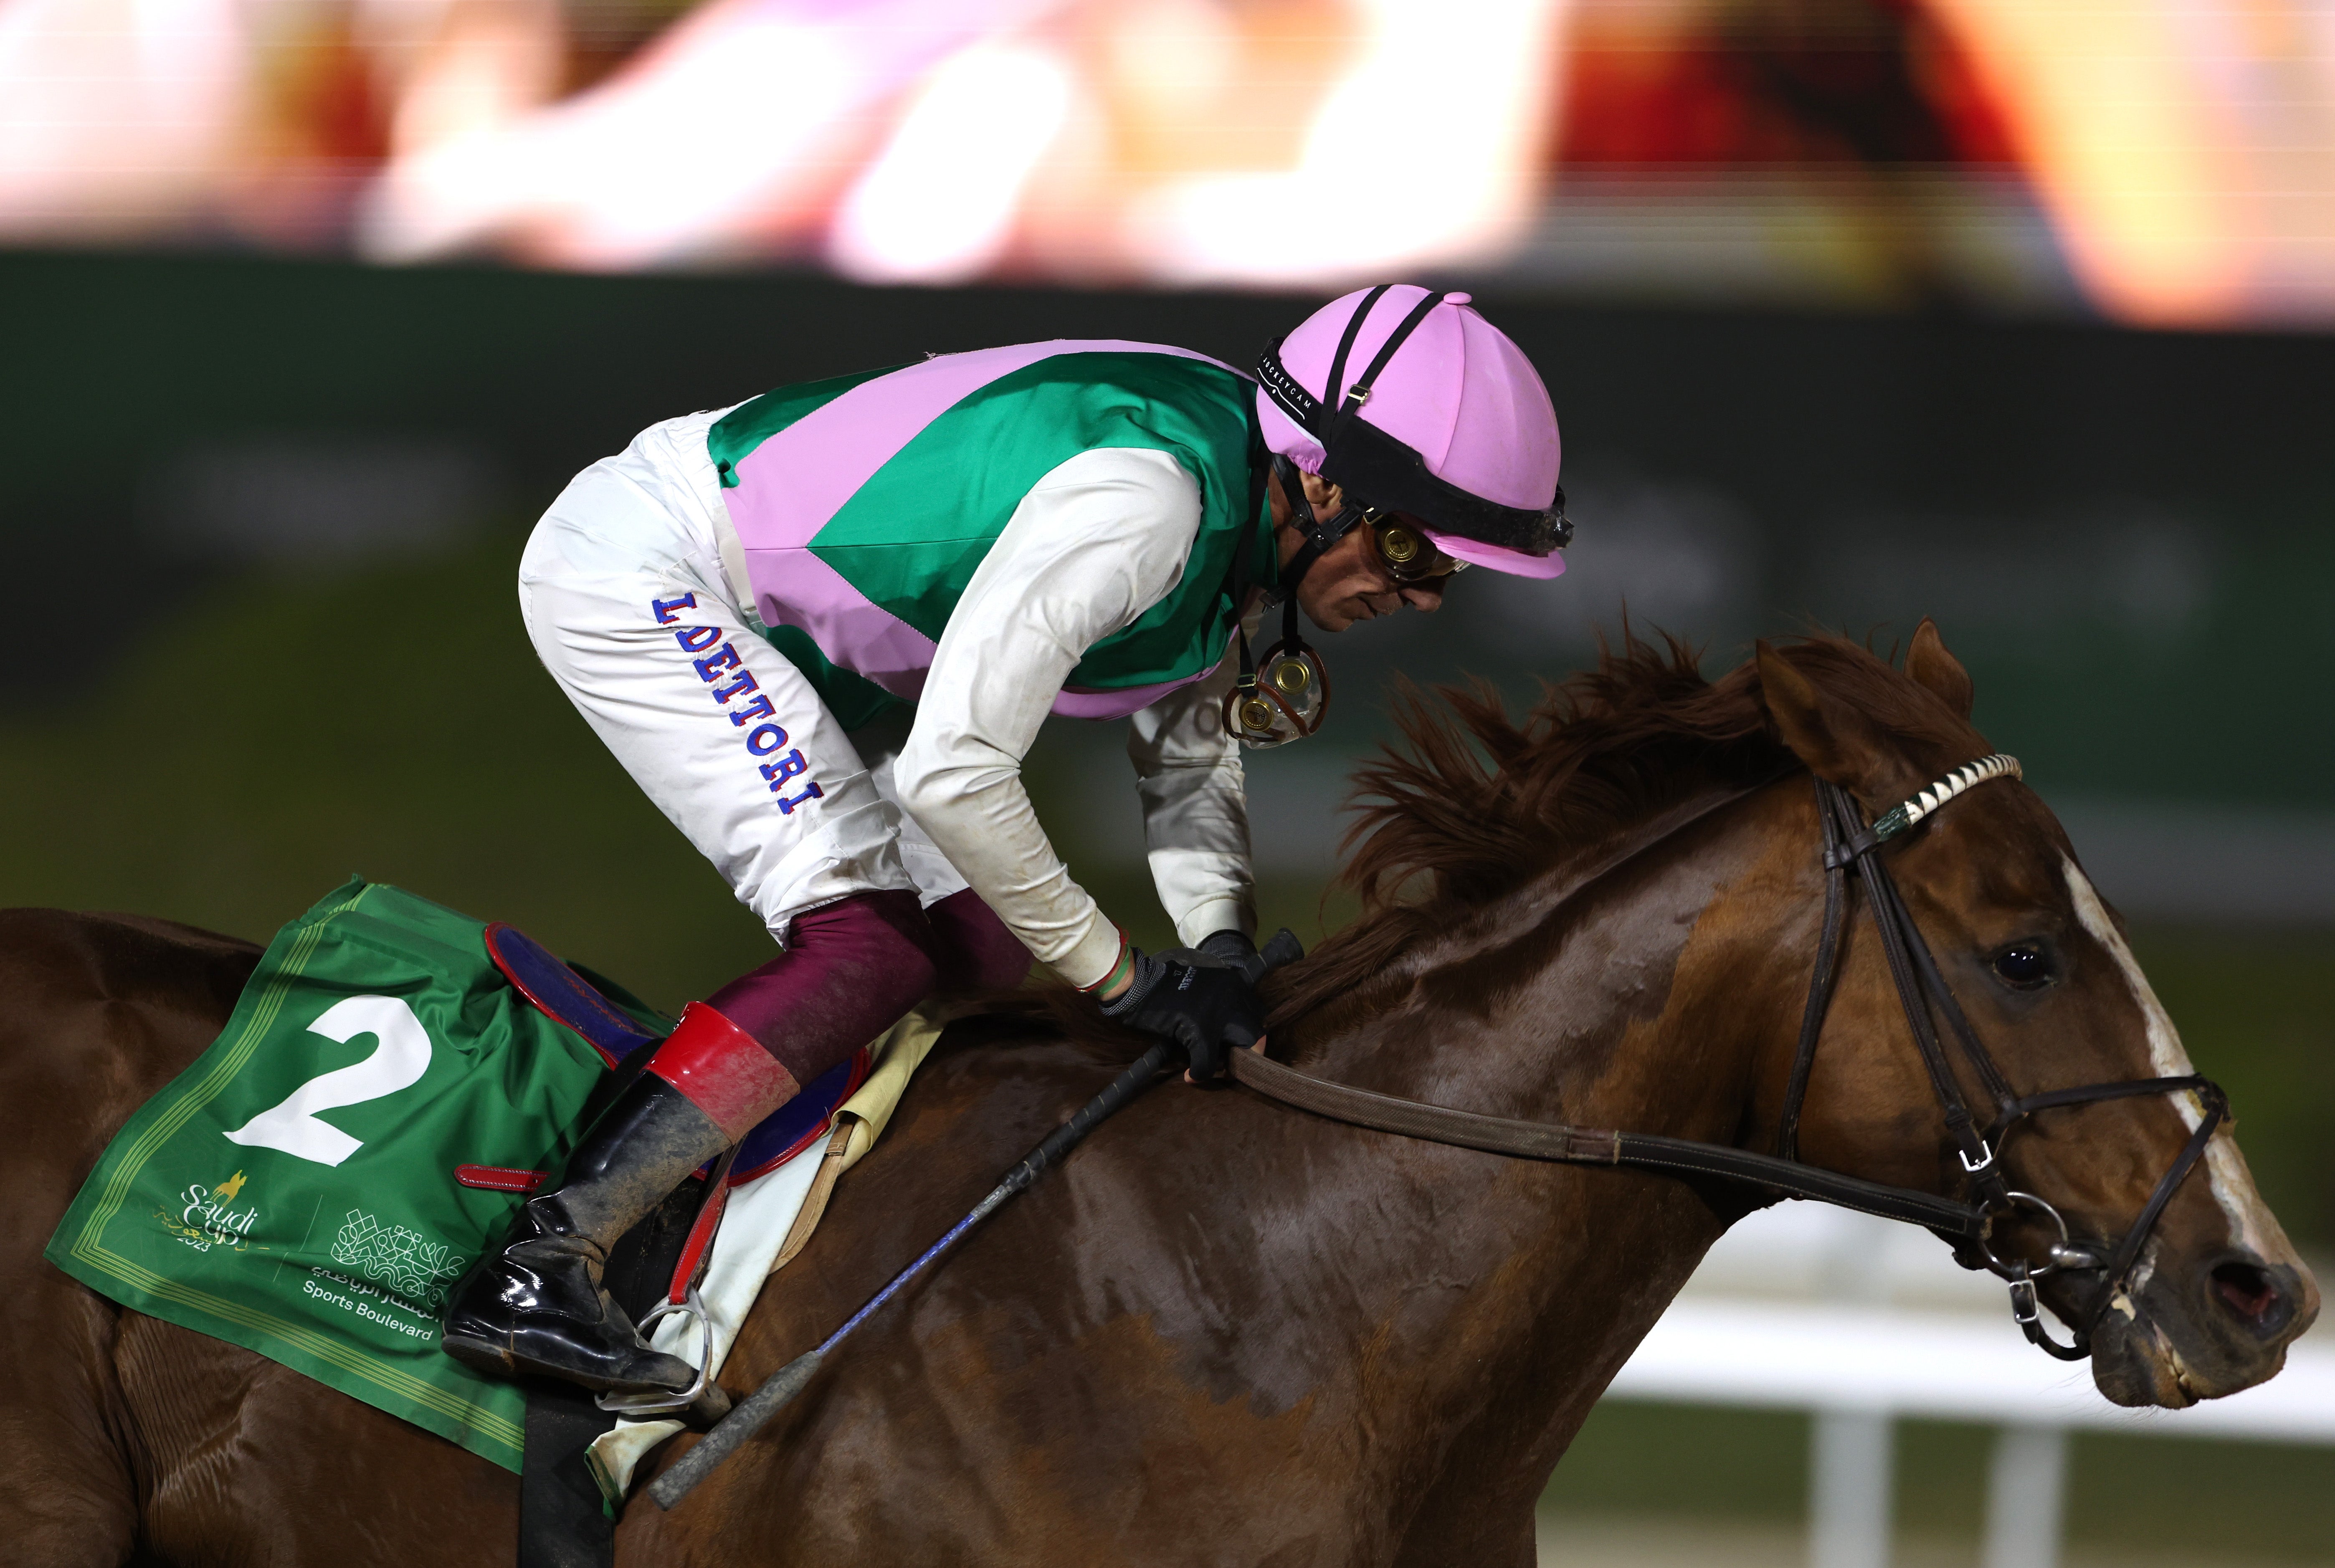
2024, 965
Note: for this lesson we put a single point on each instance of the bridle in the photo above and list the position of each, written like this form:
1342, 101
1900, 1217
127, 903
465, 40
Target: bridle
1850, 845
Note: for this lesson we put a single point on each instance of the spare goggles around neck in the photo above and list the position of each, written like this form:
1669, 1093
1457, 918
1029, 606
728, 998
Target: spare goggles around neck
1286, 697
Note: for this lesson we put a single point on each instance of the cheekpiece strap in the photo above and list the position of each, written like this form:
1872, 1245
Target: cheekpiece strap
1322, 535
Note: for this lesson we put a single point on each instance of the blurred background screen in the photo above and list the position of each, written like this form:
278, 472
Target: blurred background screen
2152, 160
2008, 311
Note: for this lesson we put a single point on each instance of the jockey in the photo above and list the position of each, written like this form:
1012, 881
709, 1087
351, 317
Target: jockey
821, 628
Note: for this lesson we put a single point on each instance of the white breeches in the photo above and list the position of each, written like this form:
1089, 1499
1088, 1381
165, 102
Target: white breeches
624, 597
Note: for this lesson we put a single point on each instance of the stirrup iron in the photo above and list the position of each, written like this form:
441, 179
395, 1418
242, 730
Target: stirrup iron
640, 1407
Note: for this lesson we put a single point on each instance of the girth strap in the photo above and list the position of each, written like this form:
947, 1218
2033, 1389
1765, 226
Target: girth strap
1565, 1144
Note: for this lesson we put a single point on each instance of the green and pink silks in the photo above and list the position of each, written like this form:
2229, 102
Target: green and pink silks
866, 503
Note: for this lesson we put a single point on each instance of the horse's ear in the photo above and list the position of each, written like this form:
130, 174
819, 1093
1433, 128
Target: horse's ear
1928, 663
1835, 740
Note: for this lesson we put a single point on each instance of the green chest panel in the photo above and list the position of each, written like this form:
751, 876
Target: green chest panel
912, 536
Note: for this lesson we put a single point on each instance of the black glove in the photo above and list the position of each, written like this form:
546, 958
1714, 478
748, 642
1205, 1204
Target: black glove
1232, 948
1202, 1001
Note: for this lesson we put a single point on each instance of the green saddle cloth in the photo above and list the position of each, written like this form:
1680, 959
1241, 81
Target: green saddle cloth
293, 1191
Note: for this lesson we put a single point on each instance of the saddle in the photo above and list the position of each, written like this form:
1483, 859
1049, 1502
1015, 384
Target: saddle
579, 1453
564, 994
226, 1204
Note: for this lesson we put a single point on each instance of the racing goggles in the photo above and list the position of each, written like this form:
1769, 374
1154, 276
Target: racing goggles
1286, 695
1284, 698
1404, 553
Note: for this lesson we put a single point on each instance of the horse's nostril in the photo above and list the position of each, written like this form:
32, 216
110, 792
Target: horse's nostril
2250, 1292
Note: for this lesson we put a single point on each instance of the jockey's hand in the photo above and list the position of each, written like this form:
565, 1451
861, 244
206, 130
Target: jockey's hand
1196, 1003
1232, 948
1202, 1001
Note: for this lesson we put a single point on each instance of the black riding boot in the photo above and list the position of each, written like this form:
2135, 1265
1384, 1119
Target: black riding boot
539, 1306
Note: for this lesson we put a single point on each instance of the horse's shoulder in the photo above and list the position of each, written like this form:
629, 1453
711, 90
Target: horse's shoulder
63, 957
102, 1010
99, 1012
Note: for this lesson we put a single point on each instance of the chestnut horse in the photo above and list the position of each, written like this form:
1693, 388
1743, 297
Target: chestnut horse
1225, 1331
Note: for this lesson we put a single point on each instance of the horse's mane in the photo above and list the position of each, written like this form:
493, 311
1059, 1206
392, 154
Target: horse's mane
1471, 803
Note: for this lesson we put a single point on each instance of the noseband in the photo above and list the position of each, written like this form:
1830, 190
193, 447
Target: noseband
1849, 845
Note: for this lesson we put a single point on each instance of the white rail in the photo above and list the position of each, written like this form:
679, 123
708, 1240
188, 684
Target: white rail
1863, 1323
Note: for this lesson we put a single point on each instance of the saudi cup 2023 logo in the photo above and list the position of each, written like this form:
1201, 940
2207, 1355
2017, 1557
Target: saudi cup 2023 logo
206, 1217
399, 1258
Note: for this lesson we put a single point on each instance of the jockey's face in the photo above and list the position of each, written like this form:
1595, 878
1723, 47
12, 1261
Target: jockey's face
1349, 583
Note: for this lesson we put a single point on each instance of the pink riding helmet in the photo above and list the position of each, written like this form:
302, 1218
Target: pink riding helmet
1436, 412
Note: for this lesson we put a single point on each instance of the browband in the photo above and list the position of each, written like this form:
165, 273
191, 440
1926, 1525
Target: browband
1906, 813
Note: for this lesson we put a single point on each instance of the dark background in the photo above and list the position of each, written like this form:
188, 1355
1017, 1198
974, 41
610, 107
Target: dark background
261, 518
2124, 532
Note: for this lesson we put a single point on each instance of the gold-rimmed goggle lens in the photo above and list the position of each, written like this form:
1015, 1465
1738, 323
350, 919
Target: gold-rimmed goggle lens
1288, 701
1406, 554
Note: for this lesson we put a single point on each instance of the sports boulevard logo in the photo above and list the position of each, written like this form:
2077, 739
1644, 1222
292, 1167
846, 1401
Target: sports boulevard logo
397, 1257
411, 1274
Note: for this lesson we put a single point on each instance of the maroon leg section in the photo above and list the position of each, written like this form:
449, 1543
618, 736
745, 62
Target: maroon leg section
972, 948
850, 970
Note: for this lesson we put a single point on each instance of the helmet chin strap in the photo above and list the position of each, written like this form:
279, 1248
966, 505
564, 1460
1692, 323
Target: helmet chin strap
1299, 697
1321, 536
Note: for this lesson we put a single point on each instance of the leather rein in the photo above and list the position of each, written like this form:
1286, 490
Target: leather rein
1850, 845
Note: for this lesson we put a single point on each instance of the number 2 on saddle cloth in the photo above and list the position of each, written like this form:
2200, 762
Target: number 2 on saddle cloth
568, 998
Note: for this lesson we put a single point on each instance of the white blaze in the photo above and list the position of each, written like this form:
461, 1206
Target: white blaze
2250, 1222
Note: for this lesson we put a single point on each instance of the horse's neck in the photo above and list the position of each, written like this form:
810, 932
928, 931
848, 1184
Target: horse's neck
1618, 1003
1645, 1002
